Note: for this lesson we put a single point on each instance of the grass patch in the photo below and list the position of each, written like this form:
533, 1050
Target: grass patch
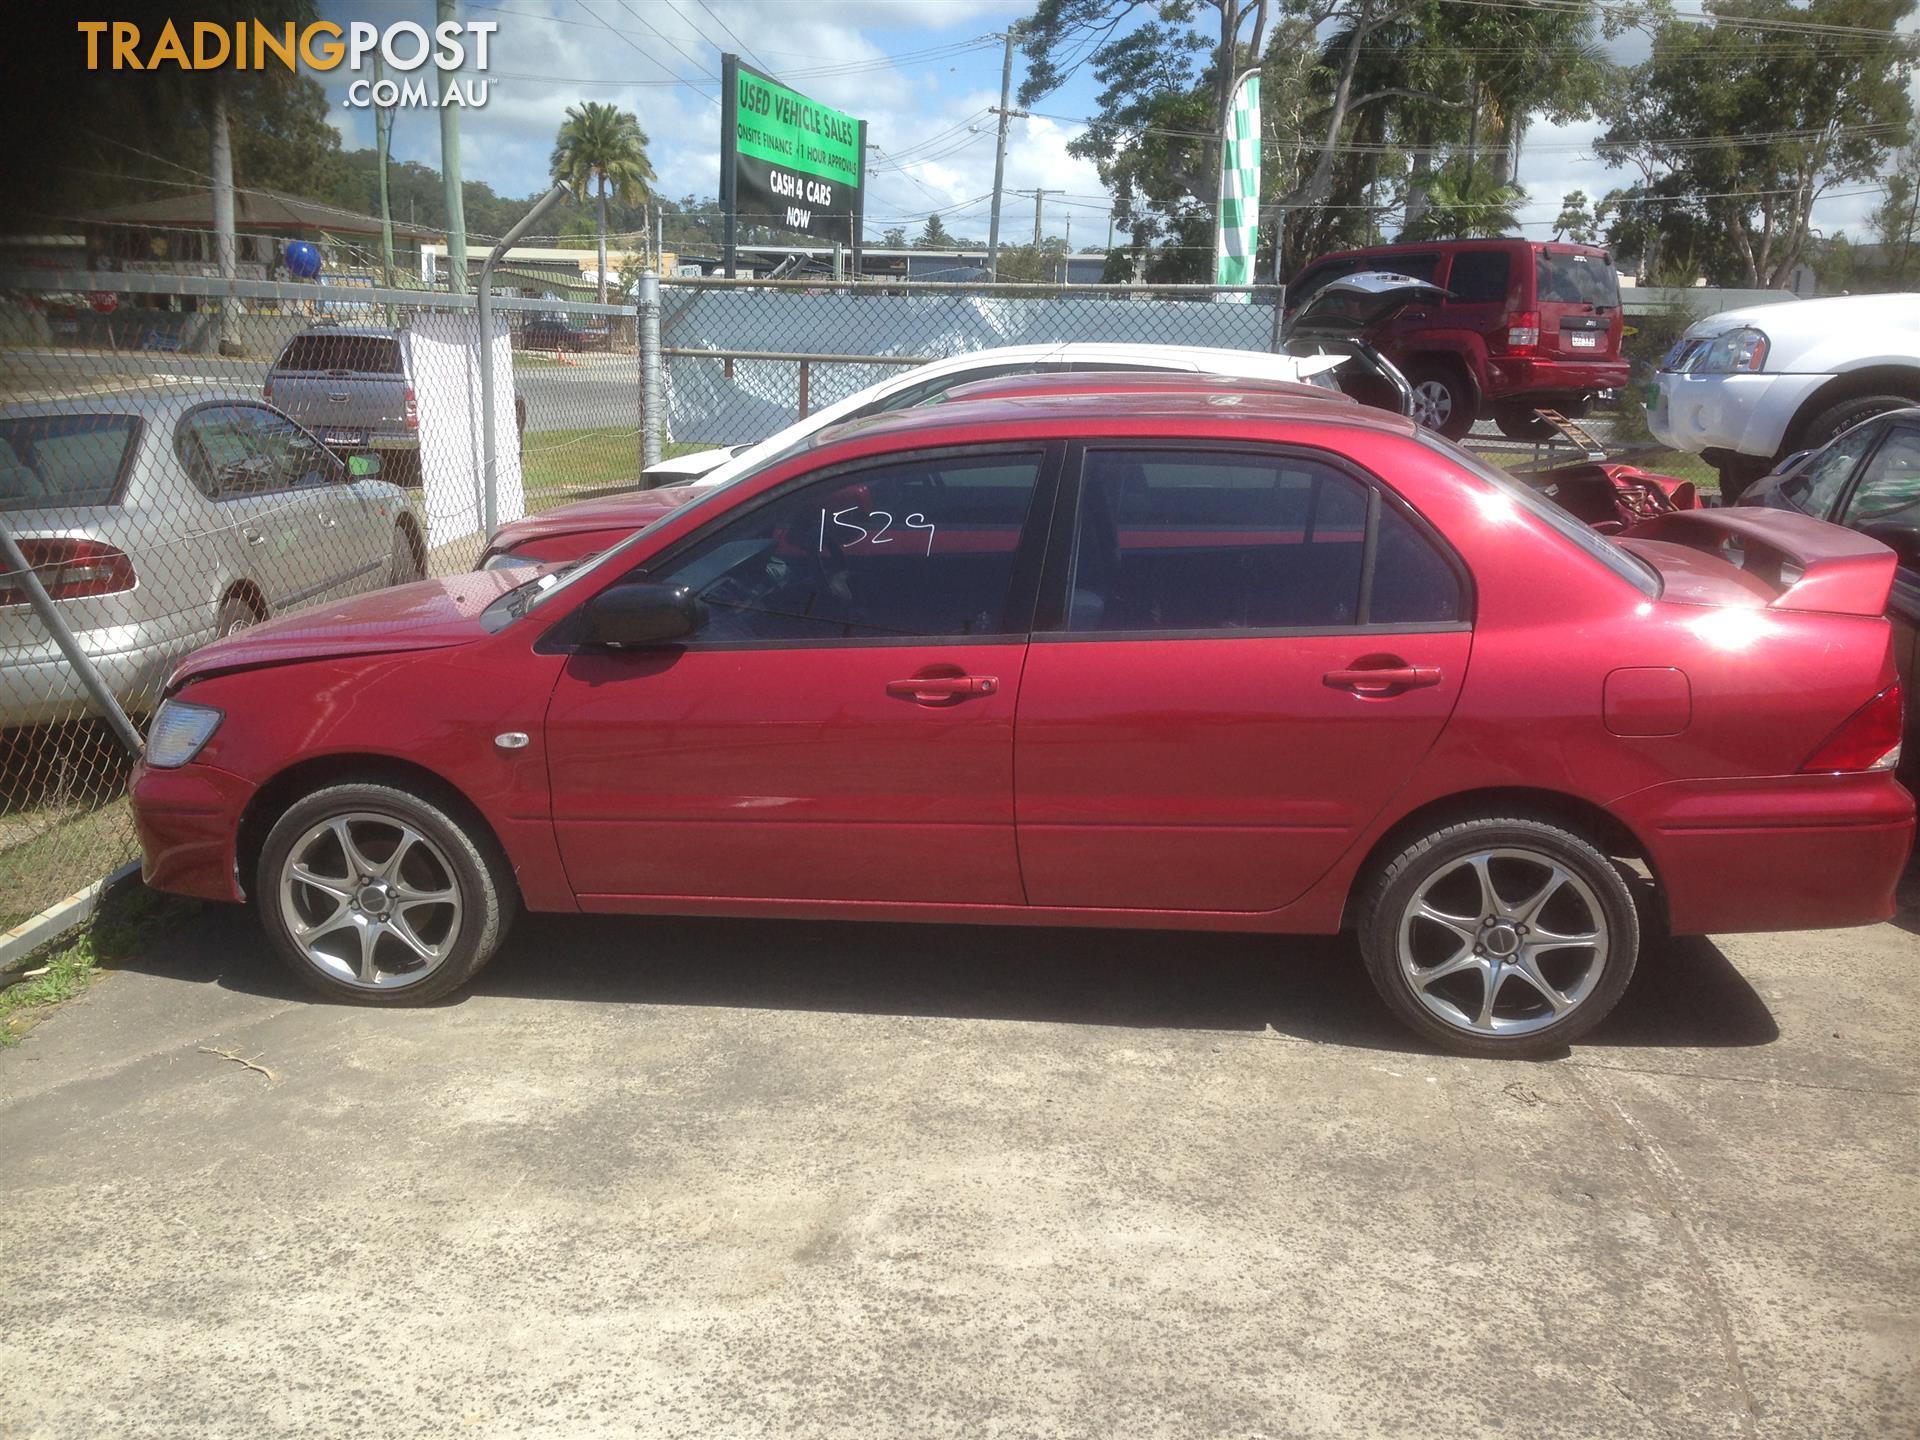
63, 850
561, 465
126, 923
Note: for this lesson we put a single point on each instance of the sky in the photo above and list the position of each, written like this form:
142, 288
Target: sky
922, 73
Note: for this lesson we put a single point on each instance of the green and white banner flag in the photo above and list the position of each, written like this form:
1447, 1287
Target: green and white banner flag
1239, 189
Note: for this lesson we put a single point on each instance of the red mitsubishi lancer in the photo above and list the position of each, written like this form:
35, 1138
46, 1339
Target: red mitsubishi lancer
1279, 665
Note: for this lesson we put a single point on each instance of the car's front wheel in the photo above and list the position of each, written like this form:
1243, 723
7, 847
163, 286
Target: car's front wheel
1500, 937
379, 896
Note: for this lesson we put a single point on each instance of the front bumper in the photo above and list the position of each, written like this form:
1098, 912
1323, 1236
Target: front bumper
188, 822
1747, 414
1779, 852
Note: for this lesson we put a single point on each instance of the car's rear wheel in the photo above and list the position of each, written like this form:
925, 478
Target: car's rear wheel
379, 896
1518, 424
1442, 398
1500, 937
236, 613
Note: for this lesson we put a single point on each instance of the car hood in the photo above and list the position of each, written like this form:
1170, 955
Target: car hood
690, 466
426, 615
629, 511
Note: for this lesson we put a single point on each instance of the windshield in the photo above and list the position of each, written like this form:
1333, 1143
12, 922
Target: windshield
1631, 568
63, 459
1566, 277
545, 587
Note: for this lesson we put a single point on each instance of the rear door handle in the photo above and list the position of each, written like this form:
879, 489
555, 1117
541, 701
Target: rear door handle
943, 689
1385, 679
254, 537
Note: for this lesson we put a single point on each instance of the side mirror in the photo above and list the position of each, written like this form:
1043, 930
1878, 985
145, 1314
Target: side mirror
363, 467
643, 613
1901, 537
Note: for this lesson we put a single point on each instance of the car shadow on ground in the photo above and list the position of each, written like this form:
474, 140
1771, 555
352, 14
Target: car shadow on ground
1685, 993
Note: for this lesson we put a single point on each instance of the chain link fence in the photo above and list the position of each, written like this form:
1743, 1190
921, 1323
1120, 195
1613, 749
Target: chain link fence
182, 458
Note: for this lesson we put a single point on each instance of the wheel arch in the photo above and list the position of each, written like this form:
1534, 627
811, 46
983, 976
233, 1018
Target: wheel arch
1457, 358
248, 591
410, 527
1606, 830
272, 800
1868, 379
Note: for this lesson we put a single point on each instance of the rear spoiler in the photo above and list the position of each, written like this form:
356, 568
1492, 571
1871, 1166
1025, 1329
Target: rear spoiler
1811, 564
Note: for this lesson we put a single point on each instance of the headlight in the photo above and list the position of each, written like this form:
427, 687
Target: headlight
507, 560
178, 732
1742, 349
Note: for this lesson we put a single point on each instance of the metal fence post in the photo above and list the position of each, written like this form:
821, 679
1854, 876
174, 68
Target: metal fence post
56, 624
652, 382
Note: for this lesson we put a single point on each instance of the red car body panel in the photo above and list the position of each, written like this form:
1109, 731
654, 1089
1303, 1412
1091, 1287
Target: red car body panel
1209, 783
567, 532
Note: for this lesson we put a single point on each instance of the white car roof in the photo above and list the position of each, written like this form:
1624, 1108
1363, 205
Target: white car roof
1192, 359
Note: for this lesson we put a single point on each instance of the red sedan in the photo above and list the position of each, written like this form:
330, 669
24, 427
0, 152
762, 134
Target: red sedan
1280, 665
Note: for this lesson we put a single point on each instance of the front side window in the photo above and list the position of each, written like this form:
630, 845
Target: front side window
923, 547
1821, 479
1177, 540
237, 450
1889, 488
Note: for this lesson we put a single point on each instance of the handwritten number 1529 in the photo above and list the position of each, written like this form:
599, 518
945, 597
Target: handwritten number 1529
882, 520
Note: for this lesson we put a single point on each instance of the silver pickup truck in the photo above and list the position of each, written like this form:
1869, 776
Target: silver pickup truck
353, 387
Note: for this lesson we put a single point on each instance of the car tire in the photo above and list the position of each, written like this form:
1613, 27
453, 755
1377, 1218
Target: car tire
408, 561
375, 895
1841, 417
1523, 425
1462, 901
236, 613
1442, 398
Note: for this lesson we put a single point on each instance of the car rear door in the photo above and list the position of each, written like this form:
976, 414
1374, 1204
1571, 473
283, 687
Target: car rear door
1241, 654
842, 728
1577, 296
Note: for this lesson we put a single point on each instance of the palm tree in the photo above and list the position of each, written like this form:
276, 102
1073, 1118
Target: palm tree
1465, 204
603, 146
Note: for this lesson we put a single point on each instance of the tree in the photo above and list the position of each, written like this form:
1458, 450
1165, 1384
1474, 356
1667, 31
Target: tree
1745, 131
603, 149
1576, 221
1467, 202
1034, 264
1833, 264
894, 237
1896, 224
935, 236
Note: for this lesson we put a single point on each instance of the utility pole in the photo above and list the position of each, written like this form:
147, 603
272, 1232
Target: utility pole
450, 177
1006, 113
1039, 199
383, 143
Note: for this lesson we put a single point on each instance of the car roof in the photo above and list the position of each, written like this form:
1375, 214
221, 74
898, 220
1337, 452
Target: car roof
163, 404
1223, 359
372, 332
1493, 242
1139, 382
1085, 415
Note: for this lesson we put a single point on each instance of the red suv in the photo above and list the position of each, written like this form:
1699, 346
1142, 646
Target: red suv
1528, 323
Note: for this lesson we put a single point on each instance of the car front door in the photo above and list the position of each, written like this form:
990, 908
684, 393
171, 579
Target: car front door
1240, 654
841, 729
1886, 498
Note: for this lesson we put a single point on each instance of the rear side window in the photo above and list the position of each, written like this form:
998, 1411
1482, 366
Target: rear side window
364, 354
1569, 278
1479, 277
1179, 540
48, 460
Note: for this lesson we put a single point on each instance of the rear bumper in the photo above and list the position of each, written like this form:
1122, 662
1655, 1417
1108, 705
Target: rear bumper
1513, 379
1784, 852
43, 689
188, 821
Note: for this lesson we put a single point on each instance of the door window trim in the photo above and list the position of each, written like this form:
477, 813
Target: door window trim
181, 438
1023, 585
1049, 621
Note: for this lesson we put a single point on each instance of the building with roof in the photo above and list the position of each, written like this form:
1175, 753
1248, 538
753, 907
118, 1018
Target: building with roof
174, 235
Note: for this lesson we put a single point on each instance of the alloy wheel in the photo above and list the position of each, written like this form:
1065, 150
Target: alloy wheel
1432, 403
1503, 942
370, 901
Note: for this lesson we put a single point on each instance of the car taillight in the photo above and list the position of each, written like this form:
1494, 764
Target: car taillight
1522, 333
69, 570
1869, 740
413, 410
266, 391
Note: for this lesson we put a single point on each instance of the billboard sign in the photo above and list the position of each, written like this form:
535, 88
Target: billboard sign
788, 162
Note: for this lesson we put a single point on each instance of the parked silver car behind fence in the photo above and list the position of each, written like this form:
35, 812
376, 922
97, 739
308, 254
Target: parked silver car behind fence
157, 525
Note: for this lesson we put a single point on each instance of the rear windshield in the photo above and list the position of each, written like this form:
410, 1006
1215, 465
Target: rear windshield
368, 354
1628, 567
48, 460
1569, 278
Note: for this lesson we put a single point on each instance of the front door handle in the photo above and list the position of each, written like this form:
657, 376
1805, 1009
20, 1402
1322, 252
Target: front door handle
254, 537
1384, 680
943, 689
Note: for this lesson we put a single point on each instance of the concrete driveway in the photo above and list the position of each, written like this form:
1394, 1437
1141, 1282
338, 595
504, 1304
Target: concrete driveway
726, 1179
